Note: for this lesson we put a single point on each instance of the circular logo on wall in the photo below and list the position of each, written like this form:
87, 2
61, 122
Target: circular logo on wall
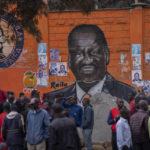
10, 50
30, 79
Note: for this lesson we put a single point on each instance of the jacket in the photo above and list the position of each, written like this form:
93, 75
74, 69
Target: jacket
114, 112
75, 111
88, 118
37, 126
13, 129
111, 86
63, 135
139, 126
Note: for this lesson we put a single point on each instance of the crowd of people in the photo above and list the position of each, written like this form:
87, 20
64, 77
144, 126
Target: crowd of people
40, 124
131, 126
35, 124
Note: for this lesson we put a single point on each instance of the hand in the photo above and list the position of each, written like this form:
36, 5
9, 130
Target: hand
117, 117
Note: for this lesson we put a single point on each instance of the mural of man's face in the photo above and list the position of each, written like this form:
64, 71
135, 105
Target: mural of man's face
87, 57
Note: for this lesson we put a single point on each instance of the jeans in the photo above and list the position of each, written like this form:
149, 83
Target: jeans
114, 141
40, 146
87, 134
142, 146
15, 147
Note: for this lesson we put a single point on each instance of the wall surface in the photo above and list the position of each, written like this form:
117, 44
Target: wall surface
44, 66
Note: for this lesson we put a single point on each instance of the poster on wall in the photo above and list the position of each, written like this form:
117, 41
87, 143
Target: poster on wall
122, 58
58, 69
147, 58
42, 47
54, 55
137, 77
146, 87
42, 61
53, 69
137, 62
136, 50
42, 78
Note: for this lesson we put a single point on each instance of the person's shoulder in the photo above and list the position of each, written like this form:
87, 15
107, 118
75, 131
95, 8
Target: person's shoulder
67, 91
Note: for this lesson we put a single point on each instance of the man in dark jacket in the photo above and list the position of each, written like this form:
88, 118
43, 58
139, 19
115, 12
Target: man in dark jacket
13, 130
63, 132
87, 123
139, 127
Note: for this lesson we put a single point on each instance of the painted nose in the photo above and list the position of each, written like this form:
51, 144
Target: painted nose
87, 59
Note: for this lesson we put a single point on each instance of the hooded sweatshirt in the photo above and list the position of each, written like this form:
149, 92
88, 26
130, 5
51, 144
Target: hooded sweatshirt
13, 129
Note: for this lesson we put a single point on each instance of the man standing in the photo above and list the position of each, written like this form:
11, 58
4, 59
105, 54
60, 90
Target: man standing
63, 132
87, 123
139, 127
113, 117
124, 139
13, 129
37, 127
75, 111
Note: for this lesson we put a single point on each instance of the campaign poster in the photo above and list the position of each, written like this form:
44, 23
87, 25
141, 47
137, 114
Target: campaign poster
122, 58
62, 69
146, 87
137, 77
137, 63
42, 47
54, 55
53, 70
42, 61
58, 69
147, 58
136, 50
42, 78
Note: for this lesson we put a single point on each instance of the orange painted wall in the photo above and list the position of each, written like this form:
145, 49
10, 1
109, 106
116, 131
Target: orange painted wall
121, 28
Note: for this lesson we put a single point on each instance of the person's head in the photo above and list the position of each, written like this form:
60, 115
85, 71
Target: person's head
1, 32
57, 109
143, 104
59, 97
47, 106
62, 68
21, 94
138, 98
136, 76
1, 45
85, 102
120, 103
131, 96
10, 96
125, 113
45, 97
23, 100
6, 107
34, 103
88, 53
35, 94
72, 100
13, 107
66, 112
148, 100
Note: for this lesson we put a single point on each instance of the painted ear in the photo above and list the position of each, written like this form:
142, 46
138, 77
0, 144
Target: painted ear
106, 56
69, 61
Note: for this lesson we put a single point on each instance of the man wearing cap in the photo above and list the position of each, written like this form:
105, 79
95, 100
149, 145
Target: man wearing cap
37, 127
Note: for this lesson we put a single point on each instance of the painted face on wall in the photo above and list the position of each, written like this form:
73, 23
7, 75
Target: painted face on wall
87, 56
